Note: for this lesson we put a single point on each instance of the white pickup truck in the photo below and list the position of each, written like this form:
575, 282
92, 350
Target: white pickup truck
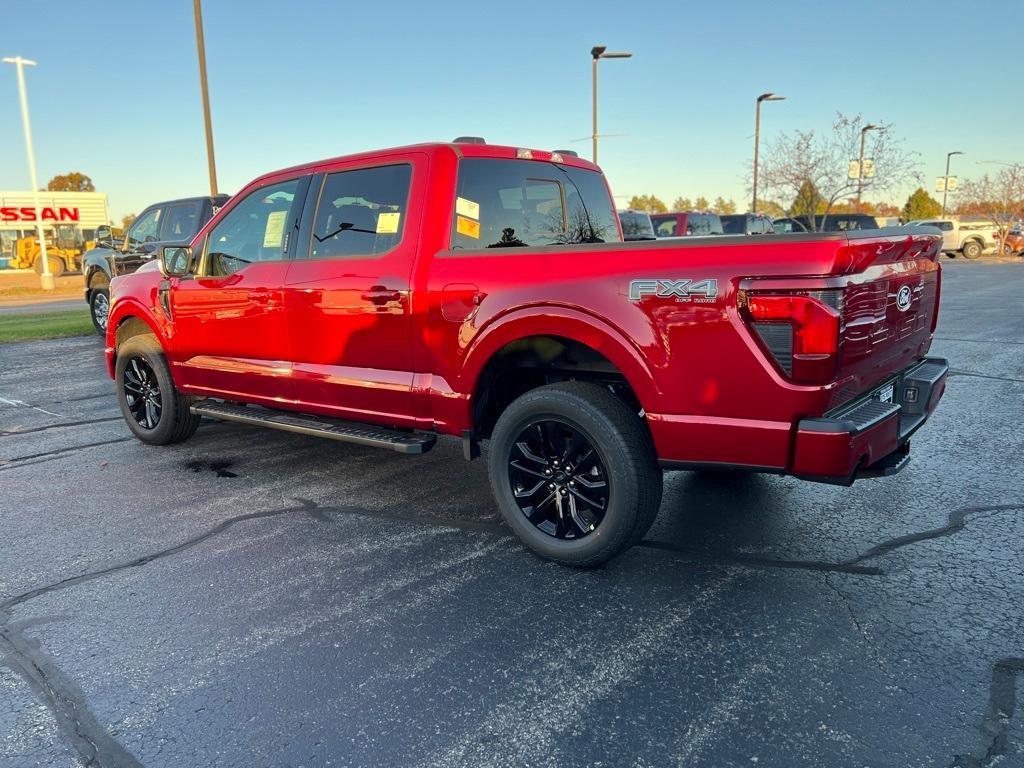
969, 239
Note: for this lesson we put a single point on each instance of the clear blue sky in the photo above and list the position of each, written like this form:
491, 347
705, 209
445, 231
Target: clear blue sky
116, 91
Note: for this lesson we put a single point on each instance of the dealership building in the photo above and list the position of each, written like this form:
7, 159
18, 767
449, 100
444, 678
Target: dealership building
19, 214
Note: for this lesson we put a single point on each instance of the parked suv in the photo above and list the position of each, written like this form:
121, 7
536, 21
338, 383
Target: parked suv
636, 225
969, 239
173, 221
747, 224
684, 223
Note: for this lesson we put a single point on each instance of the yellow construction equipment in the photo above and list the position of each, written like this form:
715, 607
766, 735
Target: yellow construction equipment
65, 246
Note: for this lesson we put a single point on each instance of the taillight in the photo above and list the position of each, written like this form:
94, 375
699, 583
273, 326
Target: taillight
801, 331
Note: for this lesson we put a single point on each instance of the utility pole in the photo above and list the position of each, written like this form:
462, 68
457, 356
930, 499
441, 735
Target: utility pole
46, 279
945, 186
598, 52
757, 140
201, 47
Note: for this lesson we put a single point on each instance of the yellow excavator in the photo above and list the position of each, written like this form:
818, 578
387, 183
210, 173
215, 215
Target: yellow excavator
65, 247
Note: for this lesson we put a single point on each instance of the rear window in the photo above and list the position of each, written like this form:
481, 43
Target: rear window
735, 225
704, 224
182, 221
664, 226
518, 203
635, 225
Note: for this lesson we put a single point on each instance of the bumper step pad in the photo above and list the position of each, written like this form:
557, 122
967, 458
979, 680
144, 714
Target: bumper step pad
318, 426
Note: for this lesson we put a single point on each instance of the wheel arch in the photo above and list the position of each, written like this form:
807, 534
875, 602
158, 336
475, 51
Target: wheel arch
128, 318
545, 341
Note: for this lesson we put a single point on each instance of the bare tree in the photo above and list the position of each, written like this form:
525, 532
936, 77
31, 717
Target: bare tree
999, 198
802, 162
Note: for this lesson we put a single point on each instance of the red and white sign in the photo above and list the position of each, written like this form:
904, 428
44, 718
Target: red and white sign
28, 213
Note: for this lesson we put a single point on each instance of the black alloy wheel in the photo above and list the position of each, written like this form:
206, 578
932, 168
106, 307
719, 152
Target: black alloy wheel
558, 479
142, 393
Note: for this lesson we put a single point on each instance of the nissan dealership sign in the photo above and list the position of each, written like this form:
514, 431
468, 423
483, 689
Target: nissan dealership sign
23, 211
26, 213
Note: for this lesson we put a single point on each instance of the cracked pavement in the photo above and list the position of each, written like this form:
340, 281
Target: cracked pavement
260, 598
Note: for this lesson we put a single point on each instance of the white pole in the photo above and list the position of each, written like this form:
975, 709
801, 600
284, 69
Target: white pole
47, 279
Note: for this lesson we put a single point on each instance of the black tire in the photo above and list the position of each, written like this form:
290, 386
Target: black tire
145, 389
626, 465
57, 266
99, 309
972, 249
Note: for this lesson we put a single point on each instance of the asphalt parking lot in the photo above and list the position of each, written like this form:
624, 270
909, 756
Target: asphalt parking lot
253, 598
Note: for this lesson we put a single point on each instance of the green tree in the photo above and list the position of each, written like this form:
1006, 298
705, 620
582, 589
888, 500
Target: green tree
771, 208
126, 221
701, 204
71, 182
921, 205
648, 203
682, 204
808, 201
723, 206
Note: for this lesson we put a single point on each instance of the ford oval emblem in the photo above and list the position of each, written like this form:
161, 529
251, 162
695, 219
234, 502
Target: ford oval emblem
903, 298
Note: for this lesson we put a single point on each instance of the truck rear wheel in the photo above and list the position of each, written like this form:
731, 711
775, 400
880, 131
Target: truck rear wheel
574, 472
972, 249
57, 266
155, 411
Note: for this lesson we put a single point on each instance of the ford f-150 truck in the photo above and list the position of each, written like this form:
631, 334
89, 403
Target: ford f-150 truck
484, 292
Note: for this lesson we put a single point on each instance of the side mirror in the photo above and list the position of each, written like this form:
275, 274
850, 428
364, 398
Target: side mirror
104, 236
176, 260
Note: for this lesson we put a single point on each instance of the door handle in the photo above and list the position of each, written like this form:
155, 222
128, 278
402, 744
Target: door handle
379, 295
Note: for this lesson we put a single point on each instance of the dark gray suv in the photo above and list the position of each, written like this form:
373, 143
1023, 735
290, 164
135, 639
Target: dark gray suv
173, 221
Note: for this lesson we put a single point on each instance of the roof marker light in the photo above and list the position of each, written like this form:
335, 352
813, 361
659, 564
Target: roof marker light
556, 158
524, 154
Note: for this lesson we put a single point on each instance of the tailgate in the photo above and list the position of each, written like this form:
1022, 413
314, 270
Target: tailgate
889, 307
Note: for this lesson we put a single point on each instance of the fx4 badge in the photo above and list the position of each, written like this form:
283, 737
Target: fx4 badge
699, 291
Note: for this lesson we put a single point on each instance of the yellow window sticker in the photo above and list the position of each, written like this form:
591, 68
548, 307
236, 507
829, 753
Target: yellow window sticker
387, 223
465, 207
274, 233
467, 227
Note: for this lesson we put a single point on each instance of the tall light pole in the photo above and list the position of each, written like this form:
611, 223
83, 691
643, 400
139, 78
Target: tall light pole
860, 160
757, 139
201, 48
600, 52
46, 279
945, 186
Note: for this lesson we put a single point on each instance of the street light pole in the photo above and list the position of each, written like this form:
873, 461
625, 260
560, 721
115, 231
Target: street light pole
46, 278
598, 52
757, 140
201, 48
945, 186
860, 161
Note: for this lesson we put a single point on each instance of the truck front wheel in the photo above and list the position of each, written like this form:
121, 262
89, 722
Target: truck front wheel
155, 411
574, 472
99, 309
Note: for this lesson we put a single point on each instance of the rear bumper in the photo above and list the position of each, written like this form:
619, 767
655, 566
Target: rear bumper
870, 438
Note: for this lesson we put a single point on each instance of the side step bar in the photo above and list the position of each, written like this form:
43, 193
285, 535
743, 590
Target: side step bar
319, 426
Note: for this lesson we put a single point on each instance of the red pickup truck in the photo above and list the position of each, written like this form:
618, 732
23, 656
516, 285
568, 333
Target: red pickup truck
485, 292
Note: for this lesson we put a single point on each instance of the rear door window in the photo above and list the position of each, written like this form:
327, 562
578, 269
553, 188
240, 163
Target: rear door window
182, 221
518, 203
361, 212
